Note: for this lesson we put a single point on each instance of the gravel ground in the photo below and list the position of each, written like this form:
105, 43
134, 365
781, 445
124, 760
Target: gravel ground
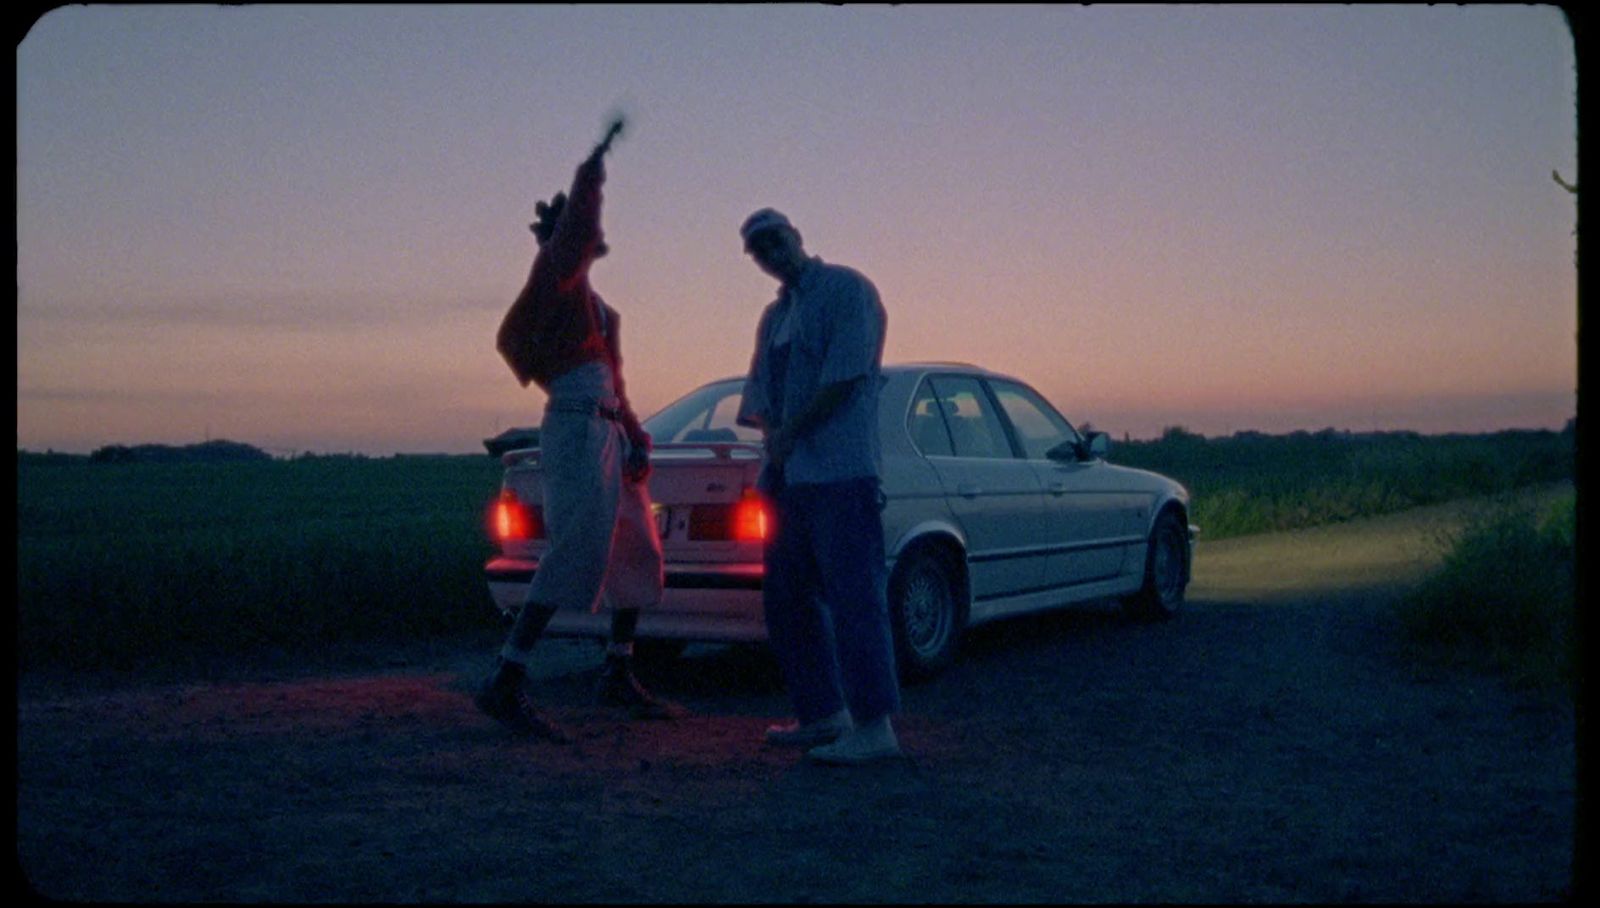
1269, 745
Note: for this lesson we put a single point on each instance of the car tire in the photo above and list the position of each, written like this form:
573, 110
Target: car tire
1166, 571
925, 613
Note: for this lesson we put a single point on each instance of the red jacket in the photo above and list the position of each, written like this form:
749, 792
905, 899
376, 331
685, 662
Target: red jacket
553, 326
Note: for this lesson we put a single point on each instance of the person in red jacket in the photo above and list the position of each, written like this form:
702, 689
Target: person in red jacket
604, 548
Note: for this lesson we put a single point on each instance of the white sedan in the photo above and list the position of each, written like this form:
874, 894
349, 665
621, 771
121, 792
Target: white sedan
995, 506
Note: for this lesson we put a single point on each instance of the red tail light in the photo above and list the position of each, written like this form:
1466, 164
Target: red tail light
747, 520
752, 520
510, 519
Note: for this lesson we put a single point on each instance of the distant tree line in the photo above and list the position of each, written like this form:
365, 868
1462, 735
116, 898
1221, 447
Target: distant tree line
223, 451
218, 451
1181, 435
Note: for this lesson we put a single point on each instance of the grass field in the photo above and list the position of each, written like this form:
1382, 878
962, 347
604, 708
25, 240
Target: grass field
1249, 483
1504, 597
122, 565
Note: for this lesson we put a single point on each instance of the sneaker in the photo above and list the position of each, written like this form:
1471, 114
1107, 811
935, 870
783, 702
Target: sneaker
822, 731
620, 688
511, 706
867, 743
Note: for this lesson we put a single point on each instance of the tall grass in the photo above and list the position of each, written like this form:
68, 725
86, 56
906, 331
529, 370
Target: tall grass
120, 565
1504, 597
1252, 483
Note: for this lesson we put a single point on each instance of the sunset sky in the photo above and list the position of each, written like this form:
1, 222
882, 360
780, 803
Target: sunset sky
299, 227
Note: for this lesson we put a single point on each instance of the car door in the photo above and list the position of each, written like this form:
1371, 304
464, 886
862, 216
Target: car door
1089, 522
993, 493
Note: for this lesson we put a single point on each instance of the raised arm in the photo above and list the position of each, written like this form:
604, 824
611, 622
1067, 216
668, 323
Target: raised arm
576, 241
559, 265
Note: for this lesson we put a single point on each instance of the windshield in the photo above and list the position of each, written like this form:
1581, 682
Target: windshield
704, 414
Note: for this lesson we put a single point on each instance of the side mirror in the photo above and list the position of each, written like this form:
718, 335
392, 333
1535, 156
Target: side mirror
1067, 450
1099, 444
1095, 444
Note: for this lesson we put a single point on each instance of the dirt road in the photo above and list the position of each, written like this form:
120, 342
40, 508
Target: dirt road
1268, 745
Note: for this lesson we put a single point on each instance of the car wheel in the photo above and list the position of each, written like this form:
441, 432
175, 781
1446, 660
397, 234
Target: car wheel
925, 614
1166, 571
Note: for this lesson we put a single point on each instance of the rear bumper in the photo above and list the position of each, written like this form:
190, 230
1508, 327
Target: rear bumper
702, 602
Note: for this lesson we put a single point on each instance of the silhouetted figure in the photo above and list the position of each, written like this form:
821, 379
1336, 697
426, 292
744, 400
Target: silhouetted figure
813, 391
604, 548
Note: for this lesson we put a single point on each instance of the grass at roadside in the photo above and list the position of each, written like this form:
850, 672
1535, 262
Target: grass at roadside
1504, 597
1253, 483
125, 565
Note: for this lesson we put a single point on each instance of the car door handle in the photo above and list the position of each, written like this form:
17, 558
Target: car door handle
1058, 488
968, 490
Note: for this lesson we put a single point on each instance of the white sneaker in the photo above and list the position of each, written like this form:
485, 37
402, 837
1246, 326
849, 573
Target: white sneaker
822, 731
863, 745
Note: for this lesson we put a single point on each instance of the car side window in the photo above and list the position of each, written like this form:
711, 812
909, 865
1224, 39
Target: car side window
975, 428
1038, 426
926, 424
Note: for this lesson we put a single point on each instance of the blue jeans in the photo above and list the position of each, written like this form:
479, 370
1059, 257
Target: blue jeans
825, 600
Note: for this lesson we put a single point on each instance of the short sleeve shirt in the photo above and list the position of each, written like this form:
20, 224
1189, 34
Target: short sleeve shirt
827, 328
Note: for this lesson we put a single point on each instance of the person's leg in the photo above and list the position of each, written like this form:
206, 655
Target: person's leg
505, 696
851, 564
624, 624
797, 630
633, 578
512, 665
580, 510
570, 573
633, 582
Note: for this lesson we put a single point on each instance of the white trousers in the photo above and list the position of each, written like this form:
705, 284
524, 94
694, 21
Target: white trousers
604, 548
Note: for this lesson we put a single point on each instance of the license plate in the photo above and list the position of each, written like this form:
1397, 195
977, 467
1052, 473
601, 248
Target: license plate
663, 519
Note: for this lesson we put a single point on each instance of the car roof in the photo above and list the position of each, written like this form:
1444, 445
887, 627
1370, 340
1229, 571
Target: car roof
911, 368
938, 366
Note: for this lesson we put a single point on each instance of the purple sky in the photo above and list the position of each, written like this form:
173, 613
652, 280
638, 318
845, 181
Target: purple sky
299, 227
